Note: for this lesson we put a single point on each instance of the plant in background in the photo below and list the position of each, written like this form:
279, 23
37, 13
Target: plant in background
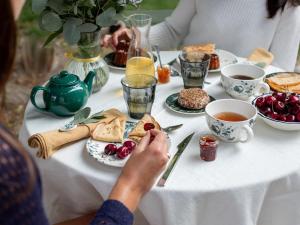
74, 17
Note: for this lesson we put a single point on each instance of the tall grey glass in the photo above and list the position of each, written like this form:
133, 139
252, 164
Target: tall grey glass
139, 94
194, 69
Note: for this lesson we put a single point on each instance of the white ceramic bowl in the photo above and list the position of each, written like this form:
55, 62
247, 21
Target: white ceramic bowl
280, 125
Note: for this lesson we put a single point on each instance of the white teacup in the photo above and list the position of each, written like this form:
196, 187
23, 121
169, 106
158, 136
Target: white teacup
231, 131
241, 88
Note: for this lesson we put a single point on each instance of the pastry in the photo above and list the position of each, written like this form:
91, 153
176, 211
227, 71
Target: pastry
111, 132
193, 98
120, 57
285, 82
139, 132
261, 55
208, 48
214, 62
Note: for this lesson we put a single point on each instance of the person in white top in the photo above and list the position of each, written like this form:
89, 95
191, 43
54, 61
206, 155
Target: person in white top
238, 26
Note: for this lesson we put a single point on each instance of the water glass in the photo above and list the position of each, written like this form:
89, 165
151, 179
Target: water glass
139, 94
194, 69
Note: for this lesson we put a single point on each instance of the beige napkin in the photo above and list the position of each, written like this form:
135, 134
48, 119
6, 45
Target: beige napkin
51, 141
261, 55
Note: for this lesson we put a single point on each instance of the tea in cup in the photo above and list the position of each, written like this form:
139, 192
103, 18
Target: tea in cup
231, 120
243, 81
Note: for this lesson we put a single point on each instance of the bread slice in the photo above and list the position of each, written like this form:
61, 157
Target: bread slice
261, 55
285, 82
139, 132
208, 48
111, 132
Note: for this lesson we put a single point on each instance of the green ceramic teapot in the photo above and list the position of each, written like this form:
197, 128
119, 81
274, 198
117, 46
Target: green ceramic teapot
65, 93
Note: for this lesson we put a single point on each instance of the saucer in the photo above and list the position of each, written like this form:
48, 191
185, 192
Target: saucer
172, 103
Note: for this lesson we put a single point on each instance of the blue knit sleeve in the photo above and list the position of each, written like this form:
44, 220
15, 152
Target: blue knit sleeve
113, 212
20, 202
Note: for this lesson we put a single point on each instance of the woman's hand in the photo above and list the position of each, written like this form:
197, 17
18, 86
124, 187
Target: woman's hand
147, 161
111, 40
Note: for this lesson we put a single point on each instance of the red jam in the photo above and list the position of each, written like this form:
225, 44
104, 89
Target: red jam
208, 147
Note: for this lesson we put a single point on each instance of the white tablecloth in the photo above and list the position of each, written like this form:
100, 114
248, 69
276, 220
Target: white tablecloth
250, 183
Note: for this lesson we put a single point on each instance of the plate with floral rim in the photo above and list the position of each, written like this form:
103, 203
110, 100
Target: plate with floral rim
96, 148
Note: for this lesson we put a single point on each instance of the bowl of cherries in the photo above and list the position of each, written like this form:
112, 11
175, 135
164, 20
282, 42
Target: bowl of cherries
279, 110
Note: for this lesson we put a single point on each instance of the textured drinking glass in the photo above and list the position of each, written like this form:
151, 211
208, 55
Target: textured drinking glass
193, 70
139, 94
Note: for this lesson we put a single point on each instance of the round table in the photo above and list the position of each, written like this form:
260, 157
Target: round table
249, 183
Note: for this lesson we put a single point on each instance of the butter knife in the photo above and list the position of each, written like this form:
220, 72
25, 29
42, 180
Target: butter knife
169, 169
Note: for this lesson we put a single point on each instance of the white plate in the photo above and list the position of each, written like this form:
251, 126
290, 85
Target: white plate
226, 58
96, 149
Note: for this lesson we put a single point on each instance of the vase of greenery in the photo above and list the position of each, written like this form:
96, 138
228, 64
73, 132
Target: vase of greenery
80, 23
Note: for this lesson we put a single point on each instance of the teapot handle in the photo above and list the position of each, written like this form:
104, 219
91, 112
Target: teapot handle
33, 94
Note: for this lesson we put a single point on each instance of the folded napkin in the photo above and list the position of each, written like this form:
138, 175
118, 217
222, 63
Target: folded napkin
51, 141
261, 56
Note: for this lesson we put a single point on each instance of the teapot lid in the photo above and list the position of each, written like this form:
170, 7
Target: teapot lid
64, 78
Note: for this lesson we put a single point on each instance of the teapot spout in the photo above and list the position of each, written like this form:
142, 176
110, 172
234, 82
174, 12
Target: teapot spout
89, 80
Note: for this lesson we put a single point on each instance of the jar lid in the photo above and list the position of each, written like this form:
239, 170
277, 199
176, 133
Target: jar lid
64, 78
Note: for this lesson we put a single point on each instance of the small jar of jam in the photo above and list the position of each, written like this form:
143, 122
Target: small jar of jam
163, 74
208, 147
214, 62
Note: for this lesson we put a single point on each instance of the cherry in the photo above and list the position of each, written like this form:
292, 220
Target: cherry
270, 100
293, 99
130, 145
149, 126
280, 96
260, 102
298, 117
273, 115
281, 117
279, 106
290, 118
265, 110
123, 152
110, 149
294, 109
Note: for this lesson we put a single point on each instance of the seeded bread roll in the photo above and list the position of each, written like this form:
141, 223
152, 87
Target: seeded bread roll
193, 98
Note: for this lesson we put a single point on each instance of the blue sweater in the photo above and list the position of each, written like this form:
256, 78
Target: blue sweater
22, 205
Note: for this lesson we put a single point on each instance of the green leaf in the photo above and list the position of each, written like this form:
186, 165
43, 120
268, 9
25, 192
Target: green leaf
87, 3
92, 120
70, 30
38, 5
50, 21
57, 6
52, 36
88, 27
107, 18
96, 114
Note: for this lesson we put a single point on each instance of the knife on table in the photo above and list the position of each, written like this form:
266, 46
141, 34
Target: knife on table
169, 169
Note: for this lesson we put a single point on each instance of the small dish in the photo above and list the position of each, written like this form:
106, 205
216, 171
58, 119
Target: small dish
110, 57
172, 103
277, 124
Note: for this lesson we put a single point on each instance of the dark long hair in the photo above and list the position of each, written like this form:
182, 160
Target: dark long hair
7, 55
7, 41
274, 6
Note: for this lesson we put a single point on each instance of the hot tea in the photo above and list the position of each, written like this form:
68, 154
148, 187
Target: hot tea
230, 116
242, 77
